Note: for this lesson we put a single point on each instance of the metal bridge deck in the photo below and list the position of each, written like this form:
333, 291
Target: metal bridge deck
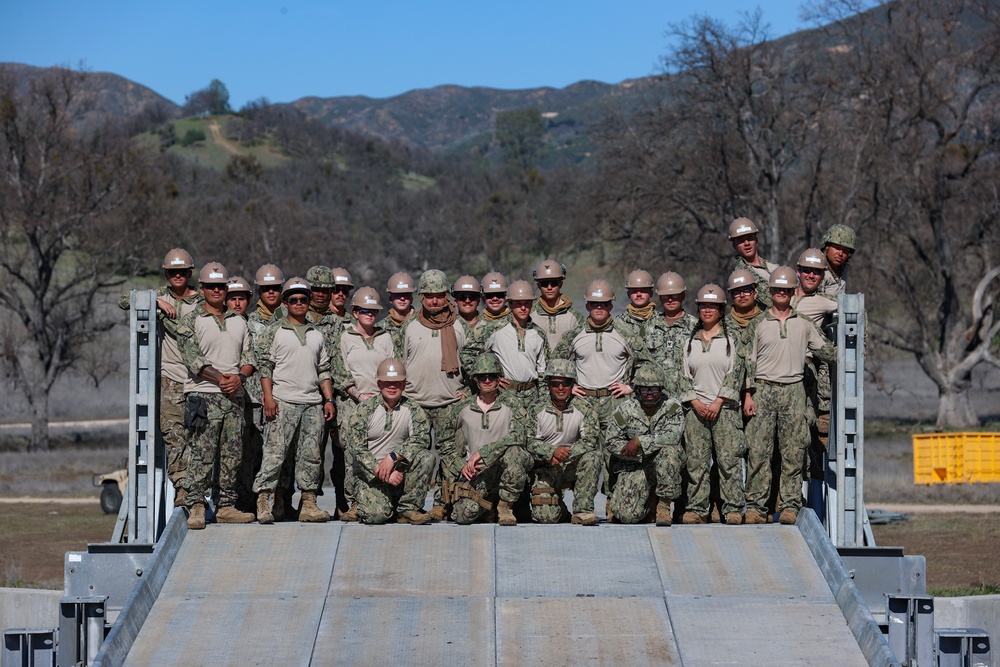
297, 594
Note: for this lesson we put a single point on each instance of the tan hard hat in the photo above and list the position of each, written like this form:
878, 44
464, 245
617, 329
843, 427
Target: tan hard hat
295, 284
400, 283
178, 258
366, 297
342, 277
740, 278
391, 370
783, 276
494, 283
670, 283
813, 258
466, 284
213, 273
711, 293
599, 290
638, 279
742, 227
239, 284
548, 269
269, 274
520, 290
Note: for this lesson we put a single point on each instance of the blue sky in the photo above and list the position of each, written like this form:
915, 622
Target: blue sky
287, 49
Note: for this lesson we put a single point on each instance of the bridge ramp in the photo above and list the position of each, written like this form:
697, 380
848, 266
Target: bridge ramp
298, 594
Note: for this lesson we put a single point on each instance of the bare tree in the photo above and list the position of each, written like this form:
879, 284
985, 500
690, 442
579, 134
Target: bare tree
925, 82
74, 202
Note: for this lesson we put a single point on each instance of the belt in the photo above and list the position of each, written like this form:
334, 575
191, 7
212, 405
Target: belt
777, 384
597, 393
522, 386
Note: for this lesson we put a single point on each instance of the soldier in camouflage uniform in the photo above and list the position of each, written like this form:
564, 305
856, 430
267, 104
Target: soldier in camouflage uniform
643, 442
215, 346
297, 401
495, 315
639, 287
663, 337
520, 345
553, 311
173, 301
400, 288
238, 300
363, 346
389, 439
776, 363
839, 243
564, 441
430, 345
713, 429
483, 458
467, 294
743, 236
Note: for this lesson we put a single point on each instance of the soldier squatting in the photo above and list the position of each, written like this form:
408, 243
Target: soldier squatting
502, 410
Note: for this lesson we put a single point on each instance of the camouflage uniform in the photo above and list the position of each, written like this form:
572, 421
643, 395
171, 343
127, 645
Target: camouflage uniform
663, 345
172, 374
721, 440
299, 424
374, 431
760, 277
780, 400
498, 436
578, 429
632, 326
559, 324
658, 464
220, 440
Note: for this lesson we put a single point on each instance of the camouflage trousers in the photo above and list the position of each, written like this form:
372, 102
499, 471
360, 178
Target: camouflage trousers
219, 442
253, 450
439, 422
548, 482
506, 479
346, 407
603, 407
298, 430
722, 443
175, 436
781, 411
377, 501
631, 482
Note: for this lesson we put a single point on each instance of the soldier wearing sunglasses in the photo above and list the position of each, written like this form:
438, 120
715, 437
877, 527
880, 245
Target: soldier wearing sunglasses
553, 311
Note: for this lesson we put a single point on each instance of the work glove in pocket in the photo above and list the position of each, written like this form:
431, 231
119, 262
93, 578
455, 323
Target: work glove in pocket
195, 412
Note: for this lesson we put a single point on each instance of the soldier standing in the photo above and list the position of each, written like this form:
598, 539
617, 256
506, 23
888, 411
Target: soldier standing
639, 287
215, 346
429, 346
564, 441
553, 311
743, 235
713, 428
467, 294
238, 300
643, 442
663, 337
399, 287
363, 346
173, 301
483, 456
520, 345
494, 287
776, 364
389, 442
839, 243
298, 400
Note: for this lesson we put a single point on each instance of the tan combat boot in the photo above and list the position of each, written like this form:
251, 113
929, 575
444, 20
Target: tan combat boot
350, 515
309, 511
608, 516
438, 513
734, 518
230, 514
505, 514
788, 517
179, 495
196, 517
585, 519
278, 505
663, 516
753, 517
414, 517
264, 514
691, 518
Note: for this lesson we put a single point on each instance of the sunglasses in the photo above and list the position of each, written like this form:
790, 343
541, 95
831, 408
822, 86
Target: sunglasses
270, 288
488, 377
342, 289
549, 283
559, 384
215, 286
743, 290
367, 311
466, 296
604, 305
647, 390
172, 273
297, 300
812, 271
783, 290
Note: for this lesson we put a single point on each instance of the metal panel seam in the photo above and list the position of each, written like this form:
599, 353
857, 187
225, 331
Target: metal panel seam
322, 611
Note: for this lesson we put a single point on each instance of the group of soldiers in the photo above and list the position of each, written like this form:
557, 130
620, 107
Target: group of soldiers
499, 410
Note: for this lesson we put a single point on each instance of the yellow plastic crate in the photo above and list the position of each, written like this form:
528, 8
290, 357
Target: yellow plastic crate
956, 458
